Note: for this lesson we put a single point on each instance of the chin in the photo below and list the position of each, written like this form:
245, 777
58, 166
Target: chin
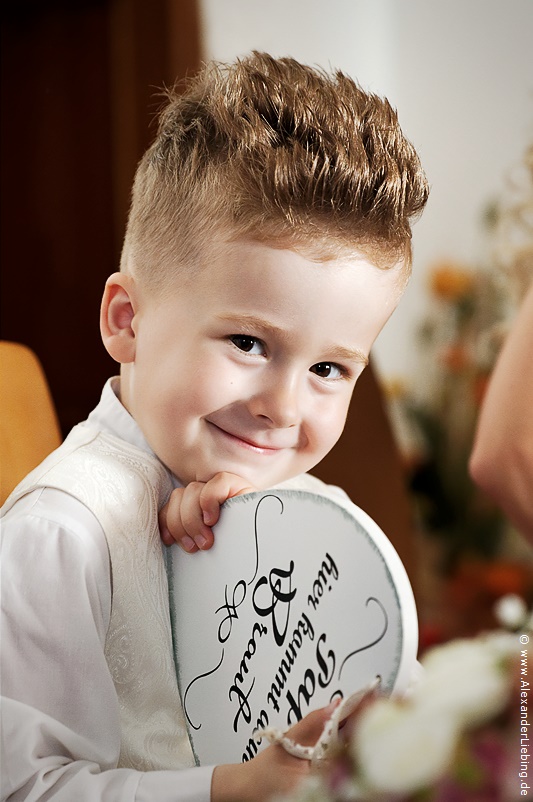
273, 481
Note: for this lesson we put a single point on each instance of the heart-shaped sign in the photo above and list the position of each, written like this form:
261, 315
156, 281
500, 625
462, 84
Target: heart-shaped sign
301, 598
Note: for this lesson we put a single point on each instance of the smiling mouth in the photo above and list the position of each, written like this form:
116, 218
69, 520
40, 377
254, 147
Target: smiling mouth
245, 443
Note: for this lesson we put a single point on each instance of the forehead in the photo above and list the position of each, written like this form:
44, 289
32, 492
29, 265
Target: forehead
223, 245
349, 298
239, 271
258, 263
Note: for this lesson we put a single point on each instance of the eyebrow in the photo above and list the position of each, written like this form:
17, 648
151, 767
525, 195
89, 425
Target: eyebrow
348, 354
266, 326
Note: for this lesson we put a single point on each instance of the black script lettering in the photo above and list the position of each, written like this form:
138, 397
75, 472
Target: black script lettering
281, 676
327, 570
285, 596
257, 632
252, 646
330, 567
253, 744
304, 628
297, 637
305, 692
251, 751
325, 676
239, 595
256, 530
244, 704
376, 640
192, 682
272, 699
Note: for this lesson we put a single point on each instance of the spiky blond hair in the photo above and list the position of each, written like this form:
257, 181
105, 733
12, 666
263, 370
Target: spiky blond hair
276, 151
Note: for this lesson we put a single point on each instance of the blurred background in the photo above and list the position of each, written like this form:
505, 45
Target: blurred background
80, 86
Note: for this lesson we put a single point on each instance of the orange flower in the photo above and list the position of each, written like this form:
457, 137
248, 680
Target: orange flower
395, 388
502, 578
450, 282
456, 358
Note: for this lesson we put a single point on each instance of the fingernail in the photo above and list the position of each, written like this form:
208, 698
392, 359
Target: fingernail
187, 543
330, 709
208, 517
201, 541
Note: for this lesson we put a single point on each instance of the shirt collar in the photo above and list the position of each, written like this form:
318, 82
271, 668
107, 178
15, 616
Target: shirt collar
112, 416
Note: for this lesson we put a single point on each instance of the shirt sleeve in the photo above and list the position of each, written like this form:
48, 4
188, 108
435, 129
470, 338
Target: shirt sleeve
60, 717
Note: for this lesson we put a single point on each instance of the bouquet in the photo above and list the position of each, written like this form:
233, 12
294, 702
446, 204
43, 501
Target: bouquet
460, 735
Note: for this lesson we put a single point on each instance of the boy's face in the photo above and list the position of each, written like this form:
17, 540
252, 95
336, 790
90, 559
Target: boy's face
249, 366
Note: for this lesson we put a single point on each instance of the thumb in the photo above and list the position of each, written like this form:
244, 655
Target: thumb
307, 731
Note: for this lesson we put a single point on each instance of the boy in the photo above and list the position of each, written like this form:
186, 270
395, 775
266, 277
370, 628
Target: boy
268, 242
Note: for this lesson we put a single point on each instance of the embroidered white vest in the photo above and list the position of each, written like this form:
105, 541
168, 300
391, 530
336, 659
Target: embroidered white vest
125, 488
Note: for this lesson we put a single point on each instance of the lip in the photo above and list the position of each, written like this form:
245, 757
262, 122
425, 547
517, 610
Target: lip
245, 442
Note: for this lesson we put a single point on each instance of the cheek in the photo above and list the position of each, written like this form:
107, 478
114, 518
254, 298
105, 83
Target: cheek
206, 388
327, 427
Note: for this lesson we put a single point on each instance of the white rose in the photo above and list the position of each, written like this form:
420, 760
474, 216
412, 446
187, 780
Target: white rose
511, 611
402, 747
467, 679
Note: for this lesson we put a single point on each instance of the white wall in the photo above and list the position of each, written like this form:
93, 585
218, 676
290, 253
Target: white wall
460, 73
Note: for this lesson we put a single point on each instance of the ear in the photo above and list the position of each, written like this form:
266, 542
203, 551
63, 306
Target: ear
116, 317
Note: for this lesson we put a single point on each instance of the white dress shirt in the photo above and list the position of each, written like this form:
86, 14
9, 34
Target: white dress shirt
60, 722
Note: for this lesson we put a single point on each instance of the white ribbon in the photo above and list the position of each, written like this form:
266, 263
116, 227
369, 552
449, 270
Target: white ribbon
330, 733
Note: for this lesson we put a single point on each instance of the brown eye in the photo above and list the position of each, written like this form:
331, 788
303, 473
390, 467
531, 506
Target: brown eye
250, 345
327, 370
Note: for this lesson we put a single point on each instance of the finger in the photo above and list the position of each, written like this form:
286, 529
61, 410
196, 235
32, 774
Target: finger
170, 524
192, 517
309, 729
217, 490
166, 537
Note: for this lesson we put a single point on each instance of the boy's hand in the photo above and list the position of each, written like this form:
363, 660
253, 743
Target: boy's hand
191, 511
273, 772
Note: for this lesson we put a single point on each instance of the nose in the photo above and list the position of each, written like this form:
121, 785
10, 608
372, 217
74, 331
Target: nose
278, 402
